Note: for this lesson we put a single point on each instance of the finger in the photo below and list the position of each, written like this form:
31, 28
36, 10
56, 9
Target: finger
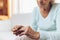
18, 32
16, 28
22, 33
15, 33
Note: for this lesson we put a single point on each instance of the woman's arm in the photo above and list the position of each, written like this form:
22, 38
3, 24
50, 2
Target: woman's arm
34, 20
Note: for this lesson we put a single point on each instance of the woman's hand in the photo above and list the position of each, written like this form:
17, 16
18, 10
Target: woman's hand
32, 34
21, 30
16, 28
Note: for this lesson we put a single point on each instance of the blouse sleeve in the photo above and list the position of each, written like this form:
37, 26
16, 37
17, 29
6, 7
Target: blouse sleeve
34, 21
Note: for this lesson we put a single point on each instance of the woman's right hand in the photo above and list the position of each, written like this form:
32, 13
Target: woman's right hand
16, 28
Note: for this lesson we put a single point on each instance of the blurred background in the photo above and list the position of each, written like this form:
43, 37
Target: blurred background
20, 14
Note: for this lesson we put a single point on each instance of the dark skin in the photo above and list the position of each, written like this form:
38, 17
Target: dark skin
28, 31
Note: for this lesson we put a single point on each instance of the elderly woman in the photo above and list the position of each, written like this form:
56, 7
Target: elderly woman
45, 23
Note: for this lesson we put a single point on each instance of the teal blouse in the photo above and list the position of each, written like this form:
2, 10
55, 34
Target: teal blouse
49, 27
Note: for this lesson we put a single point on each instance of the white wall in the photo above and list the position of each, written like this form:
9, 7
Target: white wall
57, 1
27, 6
15, 6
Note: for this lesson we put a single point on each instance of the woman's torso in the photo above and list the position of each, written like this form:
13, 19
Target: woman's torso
48, 23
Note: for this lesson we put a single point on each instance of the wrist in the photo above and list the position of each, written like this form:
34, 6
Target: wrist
37, 35
33, 34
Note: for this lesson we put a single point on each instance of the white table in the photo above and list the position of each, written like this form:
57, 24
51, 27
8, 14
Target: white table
7, 36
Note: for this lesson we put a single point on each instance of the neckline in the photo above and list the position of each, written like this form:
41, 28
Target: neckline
47, 15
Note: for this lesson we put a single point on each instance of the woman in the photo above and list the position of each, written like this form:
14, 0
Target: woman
45, 23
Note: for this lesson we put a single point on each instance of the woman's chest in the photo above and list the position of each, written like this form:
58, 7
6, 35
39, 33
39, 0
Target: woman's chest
47, 24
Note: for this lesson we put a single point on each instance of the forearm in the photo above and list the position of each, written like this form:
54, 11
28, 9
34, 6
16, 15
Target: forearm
49, 35
35, 35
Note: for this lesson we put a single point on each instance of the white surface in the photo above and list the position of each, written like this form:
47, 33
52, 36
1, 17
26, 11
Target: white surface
5, 25
21, 19
7, 36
